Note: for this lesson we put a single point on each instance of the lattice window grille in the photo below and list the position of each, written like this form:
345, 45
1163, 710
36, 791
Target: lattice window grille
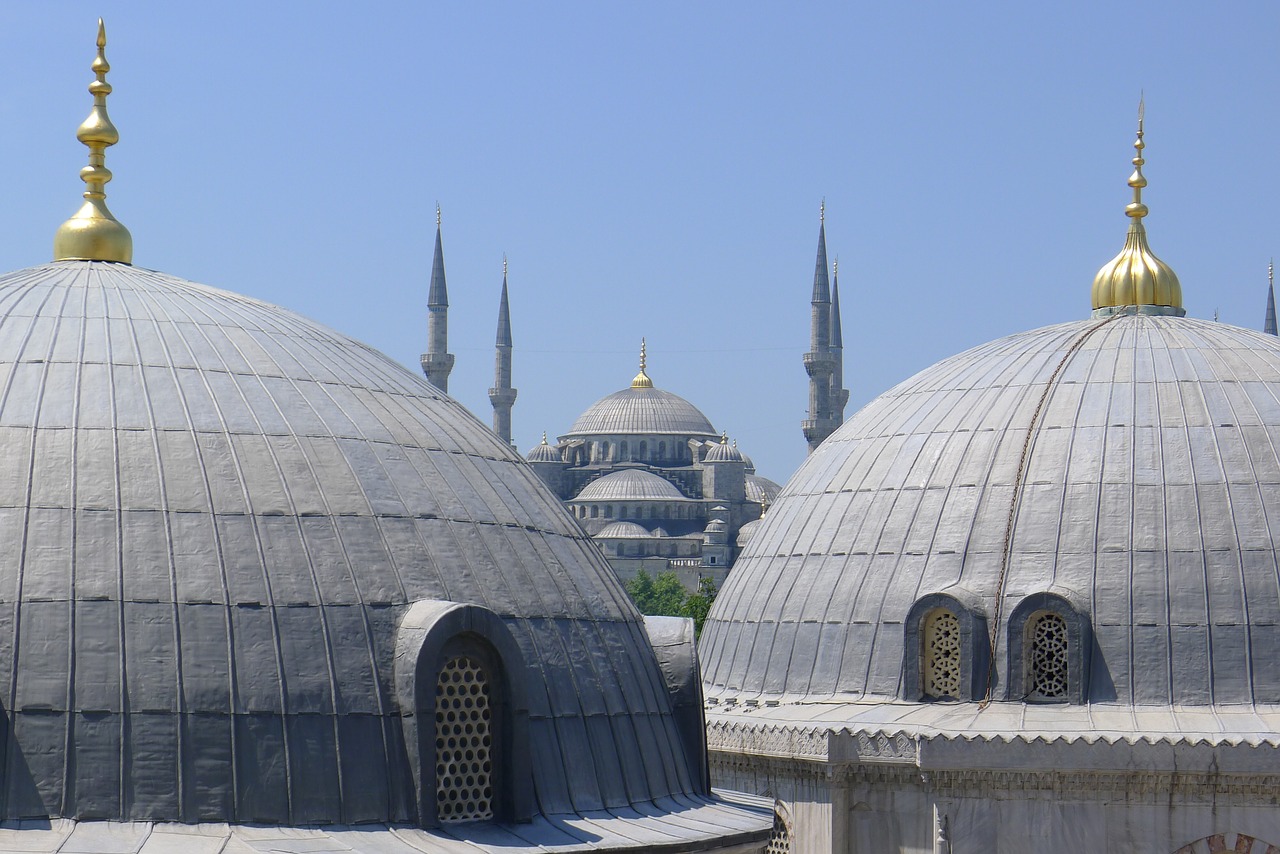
780, 839
1049, 657
464, 742
942, 654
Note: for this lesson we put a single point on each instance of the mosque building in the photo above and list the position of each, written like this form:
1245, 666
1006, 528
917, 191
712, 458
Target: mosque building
266, 590
1026, 600
642, 469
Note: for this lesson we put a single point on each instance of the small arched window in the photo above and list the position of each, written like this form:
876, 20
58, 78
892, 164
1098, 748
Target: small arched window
780, 839
464, 741
1049, 645
942, 665
622, 450
946, 648
608, 511
595, 511
1048, 674
644, 450
662, 451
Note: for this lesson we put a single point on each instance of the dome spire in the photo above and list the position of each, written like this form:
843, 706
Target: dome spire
1136, 280
642, 379
93, 234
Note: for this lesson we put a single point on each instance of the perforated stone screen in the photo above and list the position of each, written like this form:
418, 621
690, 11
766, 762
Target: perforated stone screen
942, 654
1049, 657
780, 839
464, 743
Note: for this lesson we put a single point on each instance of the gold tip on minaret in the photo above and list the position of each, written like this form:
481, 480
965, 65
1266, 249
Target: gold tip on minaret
93, 234
504, 265
437, 214
642, 379
822, 210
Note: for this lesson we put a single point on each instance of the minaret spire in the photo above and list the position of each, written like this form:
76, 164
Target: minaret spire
818, 362
502, 395
93, 234
1269, 326
437, 362
839, 394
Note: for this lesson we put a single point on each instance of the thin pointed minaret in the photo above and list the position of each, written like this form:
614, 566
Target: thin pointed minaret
437, 362
839, 394
817, 362
502, 395
1269, 325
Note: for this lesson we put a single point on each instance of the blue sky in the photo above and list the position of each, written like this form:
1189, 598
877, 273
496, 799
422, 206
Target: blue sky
655, 169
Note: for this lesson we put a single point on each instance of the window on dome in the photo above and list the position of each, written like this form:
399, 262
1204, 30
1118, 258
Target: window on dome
1048, 675
942, 655
622, 450
464, 742
595, 511
662, 451
608, 511
780, 839
644, 450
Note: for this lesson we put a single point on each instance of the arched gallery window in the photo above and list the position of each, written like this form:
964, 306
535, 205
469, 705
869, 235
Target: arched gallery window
1049, 646
942, 653
946, 648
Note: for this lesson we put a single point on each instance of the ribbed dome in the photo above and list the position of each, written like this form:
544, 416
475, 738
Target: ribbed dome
630, 485
215, 512
761, 490
622, 529
723, 452
1150, 495
650, 411
747, 531
544, 453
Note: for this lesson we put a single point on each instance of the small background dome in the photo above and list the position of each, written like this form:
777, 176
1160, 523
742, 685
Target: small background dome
622, 529
630, 485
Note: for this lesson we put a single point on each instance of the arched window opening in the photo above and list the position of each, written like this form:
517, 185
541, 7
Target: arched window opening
1047, 657
608, 511
662, 451
780, 839
622, 450
464, 742
941, 655
622, 511
595, 511
644, 450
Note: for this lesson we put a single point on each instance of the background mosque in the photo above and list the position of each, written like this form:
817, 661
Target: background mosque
265, 589
1026, 600
642, 469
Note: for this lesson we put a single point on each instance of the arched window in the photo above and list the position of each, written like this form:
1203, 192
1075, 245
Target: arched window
459, 677
644, 450
662, 451
622, 511
941, 668
464, 741
1049, 645
622, 450
947, 650
780, 839
608, 511
595, 511
604, 452
1048, 674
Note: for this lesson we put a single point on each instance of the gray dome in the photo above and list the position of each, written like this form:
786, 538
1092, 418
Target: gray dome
544, 453
747, 531
630, 485
761, 490
216, 512
1149, 492
647, 411
723, 452
622, 529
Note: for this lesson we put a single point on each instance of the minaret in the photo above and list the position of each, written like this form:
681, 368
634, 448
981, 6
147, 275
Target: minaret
839, 394
1269, 326
502, 395
93, 234
1136, 281
817, 362
437, 362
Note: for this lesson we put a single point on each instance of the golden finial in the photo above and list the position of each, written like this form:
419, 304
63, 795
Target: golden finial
1136, 279
642, 379
724, 437
93, 234
544, 437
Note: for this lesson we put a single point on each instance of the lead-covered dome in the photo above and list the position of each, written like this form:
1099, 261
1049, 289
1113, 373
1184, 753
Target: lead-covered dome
1122, 473
216, 515
646, 411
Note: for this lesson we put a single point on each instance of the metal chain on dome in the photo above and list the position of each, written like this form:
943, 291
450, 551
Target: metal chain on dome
1017, 494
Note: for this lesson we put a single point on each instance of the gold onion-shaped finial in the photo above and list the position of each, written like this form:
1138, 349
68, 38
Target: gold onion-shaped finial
642, 379
93, 234
1136, 278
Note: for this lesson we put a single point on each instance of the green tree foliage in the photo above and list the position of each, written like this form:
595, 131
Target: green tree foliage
665, 596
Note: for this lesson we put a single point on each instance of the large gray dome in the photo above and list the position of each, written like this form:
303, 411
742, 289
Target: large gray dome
648, 411
1147, 494
215, 512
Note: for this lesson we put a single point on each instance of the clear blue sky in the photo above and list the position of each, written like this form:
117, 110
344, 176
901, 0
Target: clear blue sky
654, 169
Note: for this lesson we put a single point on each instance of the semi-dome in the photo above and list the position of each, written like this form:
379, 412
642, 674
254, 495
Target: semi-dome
222, 519
630, 485
622, 529
544, 452
1122, 472
761, 490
